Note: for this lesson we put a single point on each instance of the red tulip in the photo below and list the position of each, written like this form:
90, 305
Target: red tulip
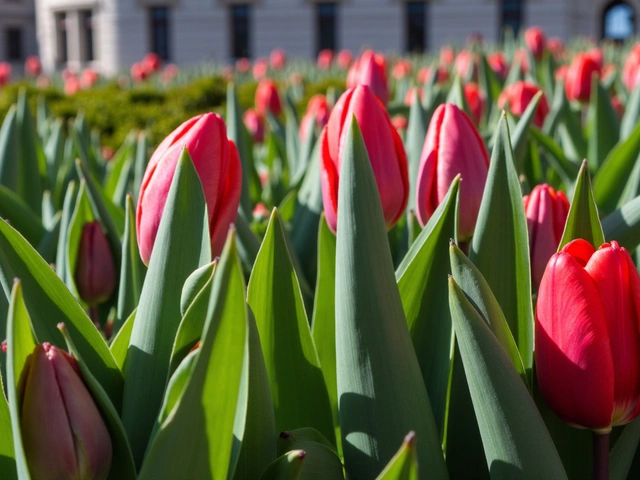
344, 59
518, 95
243, 65
556, 47
400, 123
425, 72
267, 98
317, 114
151, 63
71, 85
138, 72
63, 433
89, 78
535, 40
95, 268
597, 56
466, 65
587, 338
386, 153
452, 146
447, 56
325, 58
278, 58
254, 124
631, 68
577, 83
260, 69
370, 69
498, 64
216, 160
5, 73
476, 100
401, 69
546, 210
561, 72
32, 66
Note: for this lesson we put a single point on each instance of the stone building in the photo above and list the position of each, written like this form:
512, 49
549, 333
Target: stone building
112, 34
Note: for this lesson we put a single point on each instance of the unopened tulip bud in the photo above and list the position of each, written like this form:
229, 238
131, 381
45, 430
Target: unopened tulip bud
579, 77
95, 268
63, 434
476, 99
535, 39
5, 73
518, 95
32, 66
317, 114
254, 124
267, 98
370, 69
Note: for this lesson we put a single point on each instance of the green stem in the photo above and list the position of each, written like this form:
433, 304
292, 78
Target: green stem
601, 456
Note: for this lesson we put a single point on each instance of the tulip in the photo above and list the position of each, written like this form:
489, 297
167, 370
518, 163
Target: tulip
32, 66
498, 64
587, 339
401, 69
267, 98
466, 65
89, 78
425, 72
386, 153
5, 73
631, 68
216, 160
151, 63
243, 65
561, 72
618, 106
411, 91
370, 69
344, 59
546, 210
597, 56
476, 100
400, 123
518, 95
260, 69
535, 39
63, 434
325, 58
138, 72
170, 72
95, 269
317, 114
579, 76
447, 56
254, 124
556, 47
71, 85
522, 58
452, 146
278, 59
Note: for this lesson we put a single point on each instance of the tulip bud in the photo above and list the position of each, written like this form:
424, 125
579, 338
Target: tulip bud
63, 433
95, 269
32, 66
260, 69
267, 98
151, 63
447, 56
401, 69
452, 146
518, 95
138, 72
556, 47
498, 64
216, 160
243, 65
466, 65
325, 58
317, 114
170, 72
546, 210
631, 68
254, 124
579, 76
476, 100
535, 40
5, 73
344, 59
587, 338
386, 153
278, 59
370, 69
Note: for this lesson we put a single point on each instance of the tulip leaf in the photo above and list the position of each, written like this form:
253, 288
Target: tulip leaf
292, 136
500, 247
54, 152
10, 150
623, 225
49, 303
320, 461
68, 209
583, 220
258, 427
47, 246
82, 214
195, 440
286, 467
489, 83
516, 441
120, 342
457, 97
631, 114
20, 345
323, 327
117, 166
566, 169
182, 244
375, 360
623, 451
31, 166
520, 136
404, 465
275, 298
248, 244
140, 163
7, 454
569, 129
19, 214
132, 270
616, 172
602, 124
422, 284
414, 141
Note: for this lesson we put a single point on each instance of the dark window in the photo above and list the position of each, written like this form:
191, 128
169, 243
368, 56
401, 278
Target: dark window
416, 23
512, 15
14, 43
160, 31
618, 21
326, 18
61, 37
240, 31
87, 25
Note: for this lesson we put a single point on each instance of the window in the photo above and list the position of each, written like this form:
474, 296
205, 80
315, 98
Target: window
61, 38
160, 32
416, 22
240, 26
618, 21
14, 43
512, 15
326, 26
86, 17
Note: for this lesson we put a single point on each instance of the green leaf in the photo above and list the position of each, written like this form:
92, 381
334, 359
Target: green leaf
49, 303
54, 152
423, 290
20, 345
181, 245
120, 342
517, 444
404, 465
7, 454
31, 167
520, 135
68, 209
602, 124
286, 467
623, 451
568, 127
19, 214
248, 244
320, 461
416, 133
275, 298
564, 168
323, 327
500, 246
140, 163
117, 165
132, 270
375, 360
292, 135
82, 214
623, 225
457, 97
583, 220
10, 150
631, 114
615, 172
195, 440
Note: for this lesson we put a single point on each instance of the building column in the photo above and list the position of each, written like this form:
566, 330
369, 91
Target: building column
74, 40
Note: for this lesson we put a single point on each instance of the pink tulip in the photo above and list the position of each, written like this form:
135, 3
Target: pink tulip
466, 65
170, 72
95, 274
267, 98
151, 63
452, 146
344, 59
32, 66
386, 153
498, 64
425, 72
138, 72
317, 114
556, 47
254, 124
5, 73
401, 69
243, 65
71, 85
535, 39
447, 56
408, 98
278, 59
216, 160
325, 58
522, 58
370, 69
260, 69
89, 78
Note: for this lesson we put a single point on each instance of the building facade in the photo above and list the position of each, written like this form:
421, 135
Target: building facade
110, 35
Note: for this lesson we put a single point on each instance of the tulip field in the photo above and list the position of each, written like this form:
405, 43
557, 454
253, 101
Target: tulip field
427, 270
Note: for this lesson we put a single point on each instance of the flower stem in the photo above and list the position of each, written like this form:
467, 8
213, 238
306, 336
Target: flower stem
601, 456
